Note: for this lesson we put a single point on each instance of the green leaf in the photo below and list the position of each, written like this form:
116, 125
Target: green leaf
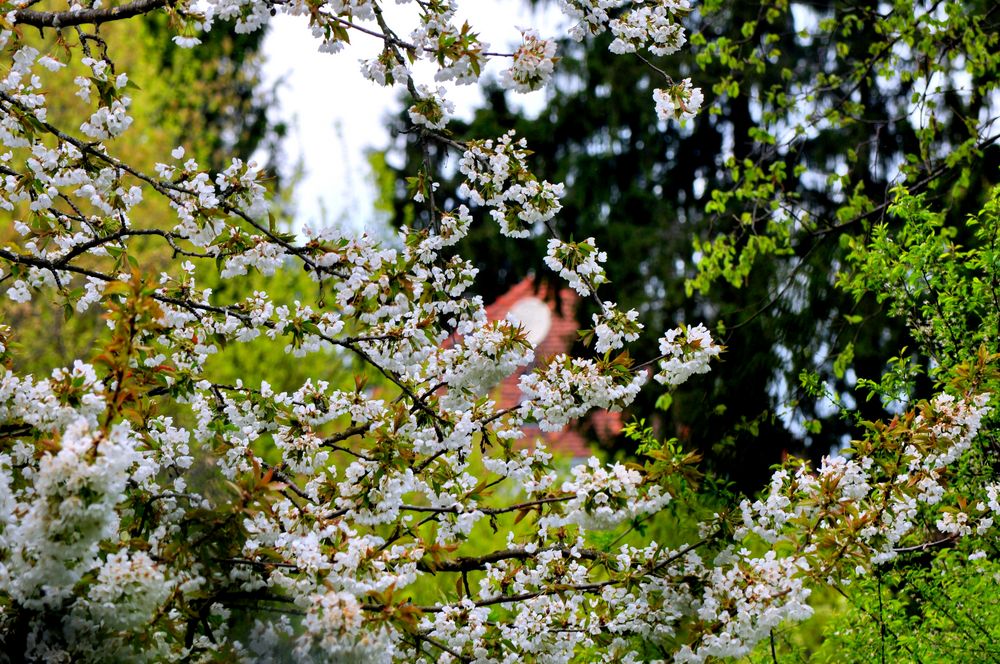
664, 401
844, 358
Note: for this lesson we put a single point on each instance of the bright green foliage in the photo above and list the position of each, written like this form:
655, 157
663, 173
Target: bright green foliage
937, 610
926, 608
212, 97
949, 294
936, 602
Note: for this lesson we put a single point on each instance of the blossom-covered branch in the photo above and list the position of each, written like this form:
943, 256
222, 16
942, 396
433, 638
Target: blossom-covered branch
81, 16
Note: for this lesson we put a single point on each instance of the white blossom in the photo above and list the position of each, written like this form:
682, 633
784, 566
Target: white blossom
680, 102
532, 64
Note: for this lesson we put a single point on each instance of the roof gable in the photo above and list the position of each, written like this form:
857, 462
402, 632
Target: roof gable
558, 338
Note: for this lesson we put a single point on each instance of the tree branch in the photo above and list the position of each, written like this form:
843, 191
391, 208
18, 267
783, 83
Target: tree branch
87, 16
475, 563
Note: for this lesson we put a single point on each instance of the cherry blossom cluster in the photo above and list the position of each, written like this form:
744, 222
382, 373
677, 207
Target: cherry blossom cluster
649, 26
569, 387
614, 328
685, 351
605, 496
888, 498
678, 102
431, 109
636, 23
579, 263
497, 176
532, 64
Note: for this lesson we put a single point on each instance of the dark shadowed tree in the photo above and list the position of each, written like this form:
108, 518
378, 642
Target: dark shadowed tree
814, 112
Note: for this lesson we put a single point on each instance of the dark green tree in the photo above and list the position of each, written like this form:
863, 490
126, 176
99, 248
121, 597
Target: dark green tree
813, 111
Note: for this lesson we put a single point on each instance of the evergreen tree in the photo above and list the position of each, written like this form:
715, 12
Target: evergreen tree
814, 111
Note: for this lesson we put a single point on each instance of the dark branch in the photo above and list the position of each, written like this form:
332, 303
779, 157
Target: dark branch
87, 16
474, 563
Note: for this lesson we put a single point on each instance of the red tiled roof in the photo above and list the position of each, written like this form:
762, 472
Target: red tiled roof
559, 339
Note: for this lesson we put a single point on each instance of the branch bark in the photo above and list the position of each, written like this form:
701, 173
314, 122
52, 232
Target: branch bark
86, 16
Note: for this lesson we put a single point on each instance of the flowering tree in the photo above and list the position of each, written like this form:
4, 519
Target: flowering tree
150, 512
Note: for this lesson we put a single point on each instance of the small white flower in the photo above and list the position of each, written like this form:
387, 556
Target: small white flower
186, 42
680, 102
532, 64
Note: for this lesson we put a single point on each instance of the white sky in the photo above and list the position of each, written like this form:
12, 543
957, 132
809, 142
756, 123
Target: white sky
335, 115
